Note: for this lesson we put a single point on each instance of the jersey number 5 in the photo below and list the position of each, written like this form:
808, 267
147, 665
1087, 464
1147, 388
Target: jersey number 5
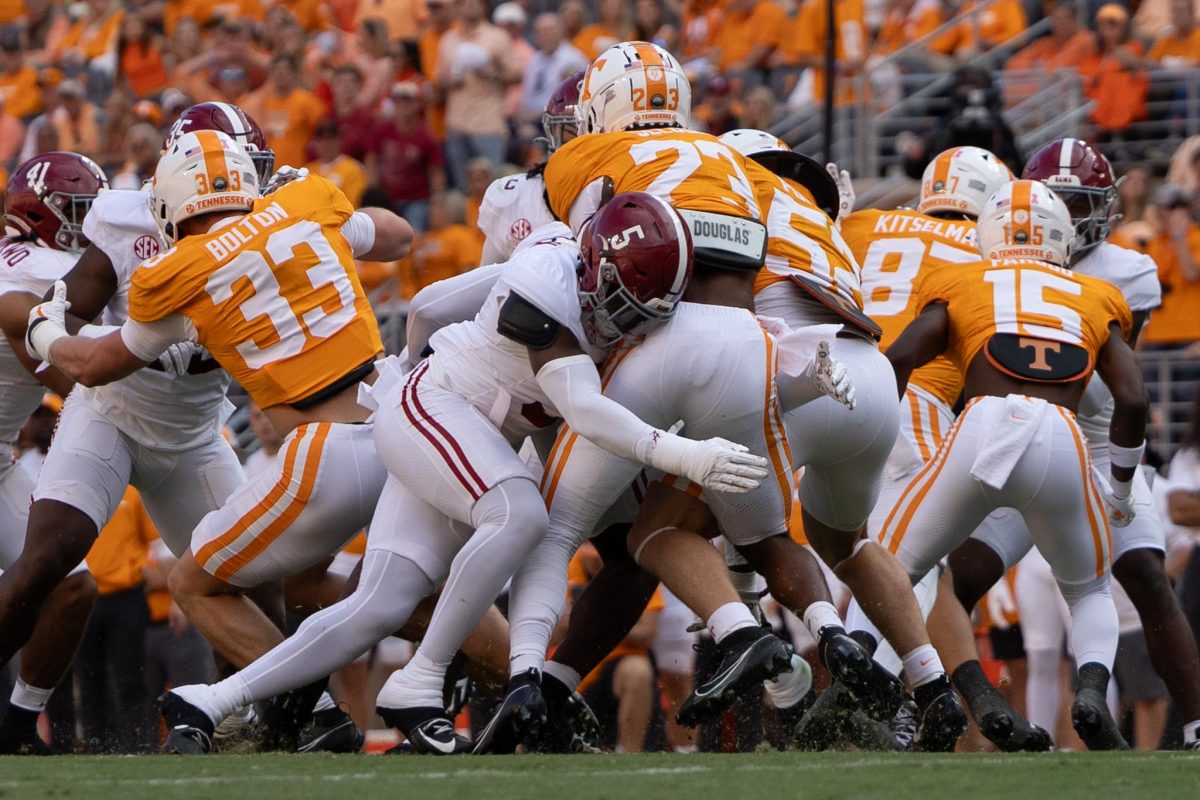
302, 242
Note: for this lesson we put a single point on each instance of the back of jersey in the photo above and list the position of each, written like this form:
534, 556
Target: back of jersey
273, 296
894, 248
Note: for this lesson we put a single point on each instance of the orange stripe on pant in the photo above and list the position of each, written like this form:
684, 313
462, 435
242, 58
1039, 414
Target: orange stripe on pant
926, 478
308, 480
774, 434
1089, 496
263, 506
914, 408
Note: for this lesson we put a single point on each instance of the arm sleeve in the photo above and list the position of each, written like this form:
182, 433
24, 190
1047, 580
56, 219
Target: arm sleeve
456, 299
149, 340
359, 231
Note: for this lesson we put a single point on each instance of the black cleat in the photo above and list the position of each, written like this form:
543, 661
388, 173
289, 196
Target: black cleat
827, 722
189, 730
1006, 728
286, 715
1089, 713
331, 731
19, 736
748, 656
429, 730
571, 725
518, 720
941, 718
877, 692
904, 727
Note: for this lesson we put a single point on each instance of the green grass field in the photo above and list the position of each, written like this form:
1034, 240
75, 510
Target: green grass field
765, 776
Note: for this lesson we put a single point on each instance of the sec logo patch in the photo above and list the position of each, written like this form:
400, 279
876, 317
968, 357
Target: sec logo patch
146, 247
518, 231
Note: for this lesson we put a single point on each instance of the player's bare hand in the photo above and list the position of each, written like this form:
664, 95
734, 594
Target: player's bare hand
833, 378
725, 466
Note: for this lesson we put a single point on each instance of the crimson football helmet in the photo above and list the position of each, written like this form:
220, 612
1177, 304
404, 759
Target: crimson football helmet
233, 122
48, 197
1083, 178
560, 111
636, 259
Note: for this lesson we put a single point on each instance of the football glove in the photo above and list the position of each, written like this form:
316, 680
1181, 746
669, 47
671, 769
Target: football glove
47, 323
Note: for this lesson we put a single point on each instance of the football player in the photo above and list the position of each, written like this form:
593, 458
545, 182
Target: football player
268, 286
894, 248
1082, 176
47, 200
633, 113
1027, 334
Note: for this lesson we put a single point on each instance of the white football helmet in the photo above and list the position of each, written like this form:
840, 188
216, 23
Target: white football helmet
960, 179
634, 85
200, 173
1025, 219
750, 142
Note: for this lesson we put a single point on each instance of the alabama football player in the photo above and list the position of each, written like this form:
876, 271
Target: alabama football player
47, 200
1027, 334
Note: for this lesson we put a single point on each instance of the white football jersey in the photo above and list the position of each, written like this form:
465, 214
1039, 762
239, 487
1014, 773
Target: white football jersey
512, 207
492, 372
159, 410
24, 267
1136, 275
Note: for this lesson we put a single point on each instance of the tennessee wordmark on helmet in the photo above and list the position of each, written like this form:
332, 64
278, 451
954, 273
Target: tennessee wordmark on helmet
1025, 219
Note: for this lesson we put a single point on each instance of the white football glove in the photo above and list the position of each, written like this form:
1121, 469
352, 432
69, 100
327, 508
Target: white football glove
178, 357
832, 377
47, 323
1000, 603
1120, 508
723, 466
845, 186
283, 176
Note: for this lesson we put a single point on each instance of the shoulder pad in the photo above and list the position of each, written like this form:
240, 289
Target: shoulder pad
526, 324
503, 191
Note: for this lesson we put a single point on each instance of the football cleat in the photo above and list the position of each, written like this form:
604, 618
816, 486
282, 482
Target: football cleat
904, 727
518, 720
19, 736
1005, 727
189, 730
1089, 712
748, 656
826, 722
286, 715
571, 725
331, 731
941, 718
429, 730
877, 692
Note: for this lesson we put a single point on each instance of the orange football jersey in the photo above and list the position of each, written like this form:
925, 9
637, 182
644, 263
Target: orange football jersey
801, 238
690, 170
1026, 298
274, 296
893, 248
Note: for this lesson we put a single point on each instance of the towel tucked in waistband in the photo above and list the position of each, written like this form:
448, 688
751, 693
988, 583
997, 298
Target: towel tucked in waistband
1007, 439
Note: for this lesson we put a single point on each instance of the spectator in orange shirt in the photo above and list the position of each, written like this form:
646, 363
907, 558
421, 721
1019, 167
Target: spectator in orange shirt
1133, 205
229, 48
1176, 250
404, 18
115, 710
312, 15
981, 29
905, 22
19, 90
141, 59
1179, 47
611, 26
12, 137
1114, 77
334, 165
1068, 45
749, 32
809, 49
287, 113
698, 27
446, 249
92, 36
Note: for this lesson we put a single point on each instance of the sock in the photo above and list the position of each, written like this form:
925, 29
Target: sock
418, 685
324, 703
29, 697
1191, 732
821, 615
729, 618
563, 674
971, 681
747, 584
922, 665
789, 688
525, 662
221, 699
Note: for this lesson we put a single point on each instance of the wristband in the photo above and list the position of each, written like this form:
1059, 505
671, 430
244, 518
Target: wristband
41, 335
1128, 457
1120, 488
